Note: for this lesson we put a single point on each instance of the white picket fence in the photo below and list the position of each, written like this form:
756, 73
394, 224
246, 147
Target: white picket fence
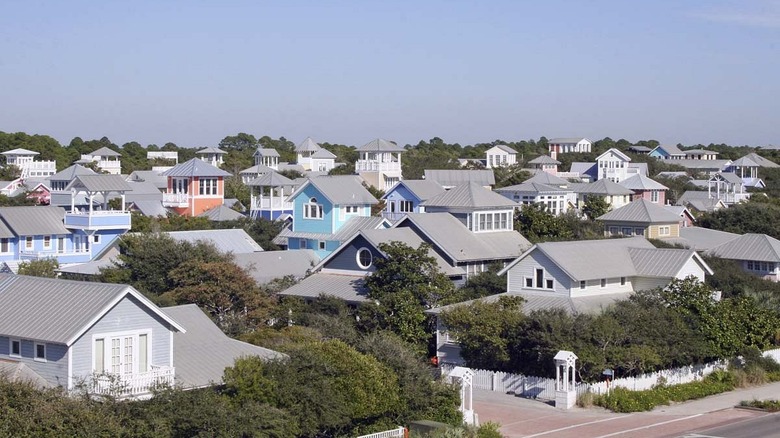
399, 432
544, 388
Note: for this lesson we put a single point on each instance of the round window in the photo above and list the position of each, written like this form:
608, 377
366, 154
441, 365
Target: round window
364, 258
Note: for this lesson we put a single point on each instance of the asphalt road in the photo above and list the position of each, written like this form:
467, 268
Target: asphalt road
766, 426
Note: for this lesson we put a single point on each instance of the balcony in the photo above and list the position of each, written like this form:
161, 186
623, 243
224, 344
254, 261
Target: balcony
98, 220
52, 254
179, 200
266, 204
377, 166
133, 385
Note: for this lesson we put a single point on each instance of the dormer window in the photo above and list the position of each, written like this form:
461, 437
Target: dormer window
312, 210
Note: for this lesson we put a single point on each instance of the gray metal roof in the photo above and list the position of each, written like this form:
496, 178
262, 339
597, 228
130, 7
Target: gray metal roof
195, 167
641, 182
455, 177
100, 183
105, 152
544, 159
604, 187
548, 179
532, 187
702, 239
670, 149
340, 189
347, 231
20, 151
715, 165
201, 355
469, 195
307, 145
410, 238
221, 213
505, 148
268, 265
150, 208
641, 211
588, 169
34, 221
88, 268
266, 152
744, 162
71, 172
421, 188
380, 145
236, 240
460, 244
560, 140
149, 176
56, 310
323, 154
616, 152
731, 178
287, 166
142, 191
19, 372
750, 246
761, 161
5, 232
700, 152
547, 301
640, 149
258, 169
706, 204
346, 287
660, 262
271, 179
210, 150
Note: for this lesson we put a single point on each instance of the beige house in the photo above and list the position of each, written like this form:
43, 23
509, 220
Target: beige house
641, 218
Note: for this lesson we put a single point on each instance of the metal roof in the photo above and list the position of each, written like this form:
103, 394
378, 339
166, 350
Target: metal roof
761, 161
548, 179
641, 182
380, 145
421, 188
105, 152
236, 240
258, 169
702, 239
641, 211
195, 167
149, 176
323, 154
349, 288
221, 213
562, 140
662, 262
201, 355
71, 172
547, 301
716, 165
700, 152
20, 151
604, 187
744, 162
340, 189
266, 152
307, 145
410, 238
16, 371
142, 191
455, 177
639, 148
544, 159
731, 178
670, 149
150, 208
532, 187
268, 265
271, 179
100, 183
349, 229
505, 148
470, 195
750, 246
59, 311
462, 245
5, 232
34, 221
616, 152
210, 150
588, 169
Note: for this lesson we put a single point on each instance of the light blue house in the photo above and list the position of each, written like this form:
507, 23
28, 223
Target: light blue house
327, 210
667, 152
406, 197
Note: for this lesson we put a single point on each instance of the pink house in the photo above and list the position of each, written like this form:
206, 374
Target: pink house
645, 188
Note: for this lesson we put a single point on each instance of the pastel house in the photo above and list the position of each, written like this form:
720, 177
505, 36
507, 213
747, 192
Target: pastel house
379, 163
194, 187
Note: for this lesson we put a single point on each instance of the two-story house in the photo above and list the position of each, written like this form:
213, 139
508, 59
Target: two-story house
545, 163
194, 186
268, 196
554, 199
567, 145
478, 208
327, 210
500, 155
406, 197
107, 160
614, 194
667, 152
613, 165
645, 188
267, 157
379, 163
25, 160
700, 154
642, 218
211, 155
314, 157
727, 187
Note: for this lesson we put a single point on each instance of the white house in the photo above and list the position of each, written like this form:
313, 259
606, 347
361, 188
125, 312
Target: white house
567, 145
25, 160
106, 159
379, 163
500, 155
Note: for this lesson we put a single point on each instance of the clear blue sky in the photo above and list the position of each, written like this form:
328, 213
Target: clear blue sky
351, 71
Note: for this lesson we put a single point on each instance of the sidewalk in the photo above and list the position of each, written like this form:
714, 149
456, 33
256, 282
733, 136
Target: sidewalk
722, 401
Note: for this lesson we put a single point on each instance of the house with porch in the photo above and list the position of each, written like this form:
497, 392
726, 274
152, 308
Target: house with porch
268, 196
406, 197
379, 163
545, 163
314, 157
194, 187
747, 168
641, 218
500, 155
25, 160
267, 157
567, 145
211, 155
107, 160
728, 187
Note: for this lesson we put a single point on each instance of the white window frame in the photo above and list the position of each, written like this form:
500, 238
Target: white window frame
35, 352
208, 186
47, 244
654, 196
7, 242
313, 210
357, 258
664, 230
11, 347
583, 284
29, 242
96, 238
321, 245
135, 334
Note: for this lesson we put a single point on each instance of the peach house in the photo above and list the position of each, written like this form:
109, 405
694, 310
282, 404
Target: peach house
194, 187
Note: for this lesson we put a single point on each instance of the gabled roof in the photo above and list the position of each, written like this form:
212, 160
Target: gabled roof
641, 211
20, 151
663, 262
380, 145
266, 152
349, 229
533, 187
588, 169
210, 150
271, 179
616, 152
349, 288
268, 265
639, 149
105, 152
195, 167
257, 169
603, 187
547, 301
421, 188
459, 243
701, 239
34, 221
100, 183
202, 353
61, 311
71, 172
150, 208
750, 246
151, 176
236, 240
323, 154
731, 178
471, 195
454, 177
641, 182
339, 189
307, 145
547, 179
221, 213
700, 152
504, 148
563, 140
669, 149
544, 159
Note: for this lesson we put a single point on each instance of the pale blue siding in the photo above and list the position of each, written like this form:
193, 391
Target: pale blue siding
324, 225
54, 370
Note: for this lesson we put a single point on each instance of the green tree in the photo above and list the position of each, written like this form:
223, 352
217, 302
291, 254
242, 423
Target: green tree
538, 225
595, 206
40, 268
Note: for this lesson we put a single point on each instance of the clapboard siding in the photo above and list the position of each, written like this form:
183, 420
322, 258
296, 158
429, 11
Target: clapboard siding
54, 370
527, 268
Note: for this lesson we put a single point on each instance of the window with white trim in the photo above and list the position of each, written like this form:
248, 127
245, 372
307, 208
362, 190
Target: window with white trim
40, 352
28, 242
5, 245
207, 186
321, 245
351, 209
121, 354
312, 209
664, 230
46, 242
654, 196
15, 348
364, 258
96, 238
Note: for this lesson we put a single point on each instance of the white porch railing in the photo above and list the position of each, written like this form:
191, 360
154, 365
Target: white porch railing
36, 255
176, 199
399, 432
266, 204
377, 166
132, 385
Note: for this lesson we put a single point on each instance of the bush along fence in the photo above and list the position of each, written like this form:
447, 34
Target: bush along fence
544, 388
